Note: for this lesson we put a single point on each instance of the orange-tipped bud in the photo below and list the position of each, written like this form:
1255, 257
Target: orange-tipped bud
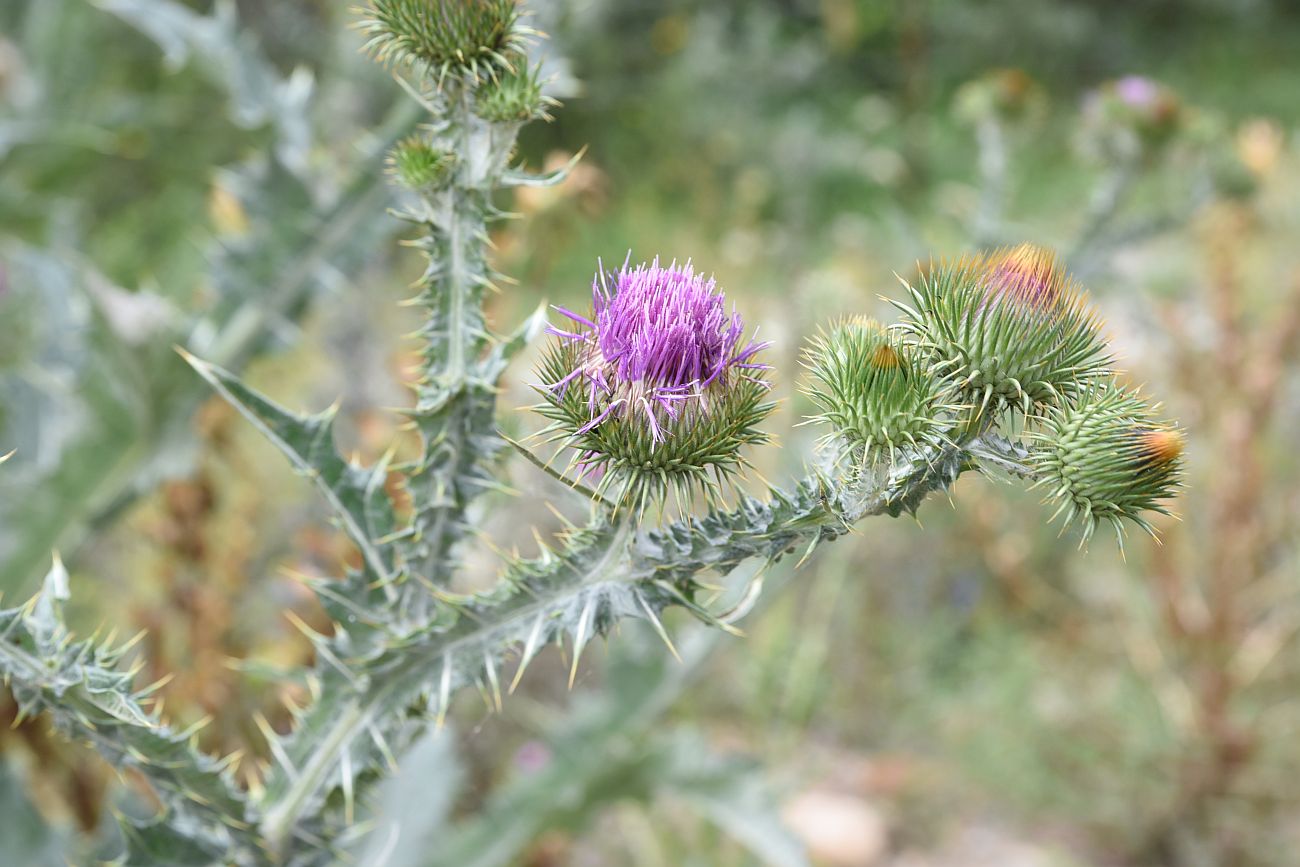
1009, 329
873, 393
1161, 446
1107, 458
885, 357
1027, 274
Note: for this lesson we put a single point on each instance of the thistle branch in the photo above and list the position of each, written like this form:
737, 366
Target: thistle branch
87, 695
603, 573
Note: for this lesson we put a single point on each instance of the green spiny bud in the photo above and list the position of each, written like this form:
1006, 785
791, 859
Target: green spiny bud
1108, 457
515, 95
420, 165
872, 392
1009, 330
475, 38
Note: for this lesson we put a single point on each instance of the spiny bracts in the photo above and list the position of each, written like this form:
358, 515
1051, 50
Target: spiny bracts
1107, 458
1008, 330
513, 96
471, 38
419, 164
873, 393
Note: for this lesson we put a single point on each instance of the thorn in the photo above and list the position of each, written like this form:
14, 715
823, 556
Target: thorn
580, 637
133, 641
530, 650
658, 626
231, 761
493, 682
301, 625
345, 772
381, 744
154, 687
255, 787
273, 743
444, 692
197, 727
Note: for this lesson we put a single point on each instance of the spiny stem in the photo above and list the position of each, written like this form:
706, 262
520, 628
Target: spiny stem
457, 283
280, 817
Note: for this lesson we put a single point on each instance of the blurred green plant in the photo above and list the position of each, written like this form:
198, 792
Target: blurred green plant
93, 398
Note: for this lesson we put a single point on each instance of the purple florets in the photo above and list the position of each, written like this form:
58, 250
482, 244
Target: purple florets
661, 342
1137, 91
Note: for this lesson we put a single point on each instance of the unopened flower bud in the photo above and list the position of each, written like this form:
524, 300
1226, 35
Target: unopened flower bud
420, 165
512, 96
872, 393
1108, 458
1009, 330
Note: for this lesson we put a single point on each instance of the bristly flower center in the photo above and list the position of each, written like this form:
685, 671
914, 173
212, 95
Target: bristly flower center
1028, 276
659, 342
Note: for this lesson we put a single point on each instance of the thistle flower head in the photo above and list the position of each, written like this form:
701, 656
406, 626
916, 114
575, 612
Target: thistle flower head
1009, 330
1027, 275
872, 392
1130, 118
476, 38
1108, 458
657, 389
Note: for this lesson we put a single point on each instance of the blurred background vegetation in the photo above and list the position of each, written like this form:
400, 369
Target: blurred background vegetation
974, 692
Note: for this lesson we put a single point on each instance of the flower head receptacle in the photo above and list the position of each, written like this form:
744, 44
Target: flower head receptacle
657, 389
1108, 458
873, 393
1009, 331
471, 38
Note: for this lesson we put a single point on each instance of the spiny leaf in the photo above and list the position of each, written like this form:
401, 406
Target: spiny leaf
355, 493
517, 178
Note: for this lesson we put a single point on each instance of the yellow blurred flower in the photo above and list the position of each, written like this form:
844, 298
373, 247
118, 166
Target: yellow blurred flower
1259, 145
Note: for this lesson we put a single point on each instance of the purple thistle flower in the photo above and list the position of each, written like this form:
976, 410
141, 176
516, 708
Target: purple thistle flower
1137, 91
659, 341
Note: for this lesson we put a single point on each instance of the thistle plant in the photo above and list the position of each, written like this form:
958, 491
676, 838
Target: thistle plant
656, 393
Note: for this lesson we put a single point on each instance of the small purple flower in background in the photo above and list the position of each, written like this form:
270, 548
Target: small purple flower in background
1137, 91
532, 757
1130, 118
657, 388
1027, 275
660, 339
